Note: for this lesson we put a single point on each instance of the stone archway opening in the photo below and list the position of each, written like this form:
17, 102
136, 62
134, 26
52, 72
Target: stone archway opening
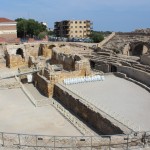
92, 63
139, 50
113, 68
20, 52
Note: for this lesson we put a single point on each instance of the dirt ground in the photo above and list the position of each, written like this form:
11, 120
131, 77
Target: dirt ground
18, 115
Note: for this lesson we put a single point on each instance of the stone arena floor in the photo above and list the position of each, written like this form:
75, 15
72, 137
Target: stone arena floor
121, 96
18, 115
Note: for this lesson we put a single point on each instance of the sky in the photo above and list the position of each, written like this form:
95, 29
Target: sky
106, 15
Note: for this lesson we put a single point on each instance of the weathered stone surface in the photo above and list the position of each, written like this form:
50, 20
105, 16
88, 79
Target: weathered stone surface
15, 61
126, 43
46, 50
145, 59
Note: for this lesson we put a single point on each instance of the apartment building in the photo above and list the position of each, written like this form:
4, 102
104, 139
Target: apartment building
8, 29
73, 28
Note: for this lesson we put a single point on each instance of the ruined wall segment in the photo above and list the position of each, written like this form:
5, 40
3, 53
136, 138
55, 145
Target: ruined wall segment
46, 50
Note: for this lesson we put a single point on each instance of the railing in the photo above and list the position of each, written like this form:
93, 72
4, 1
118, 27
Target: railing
13, 74
118, 142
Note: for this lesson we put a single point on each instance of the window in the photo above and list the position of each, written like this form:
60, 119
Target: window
71, 26
80, 26
76, 22
76, 31
80, 21
84, 26
75, 26
80, 31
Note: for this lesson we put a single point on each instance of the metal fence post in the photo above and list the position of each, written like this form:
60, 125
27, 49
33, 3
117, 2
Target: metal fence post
19, 141
54, 142
36, 141
109, 143
3, 139
91, 142
128, 142
72, 143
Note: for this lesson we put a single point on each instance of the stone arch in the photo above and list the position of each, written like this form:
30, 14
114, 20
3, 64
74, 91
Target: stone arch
19, 51
138, 49
92, 64
113, 68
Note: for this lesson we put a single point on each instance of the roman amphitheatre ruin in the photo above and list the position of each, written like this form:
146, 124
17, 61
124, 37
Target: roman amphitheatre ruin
59, 95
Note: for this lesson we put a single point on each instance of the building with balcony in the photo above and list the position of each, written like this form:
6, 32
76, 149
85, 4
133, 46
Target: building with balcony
8, 29
73, 28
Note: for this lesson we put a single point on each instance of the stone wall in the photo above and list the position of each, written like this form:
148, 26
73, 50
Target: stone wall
102, 67
15, 61
136, 74
46, 50
66, 60
69, 60
43, 85
145, 59
91, 117
46, 79
32, 50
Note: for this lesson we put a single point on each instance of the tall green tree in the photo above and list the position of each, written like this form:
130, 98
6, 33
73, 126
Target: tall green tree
96, 36
29, 28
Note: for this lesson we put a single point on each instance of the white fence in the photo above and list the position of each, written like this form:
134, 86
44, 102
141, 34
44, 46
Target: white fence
83, 79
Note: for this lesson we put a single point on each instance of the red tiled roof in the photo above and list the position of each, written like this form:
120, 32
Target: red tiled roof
5, 20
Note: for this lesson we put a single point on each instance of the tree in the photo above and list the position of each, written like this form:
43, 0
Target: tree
42, 35
50, 33
96, 37
30, 28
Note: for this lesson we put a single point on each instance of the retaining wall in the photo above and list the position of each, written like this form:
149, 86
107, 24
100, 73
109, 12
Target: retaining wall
135, 74
88, 115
